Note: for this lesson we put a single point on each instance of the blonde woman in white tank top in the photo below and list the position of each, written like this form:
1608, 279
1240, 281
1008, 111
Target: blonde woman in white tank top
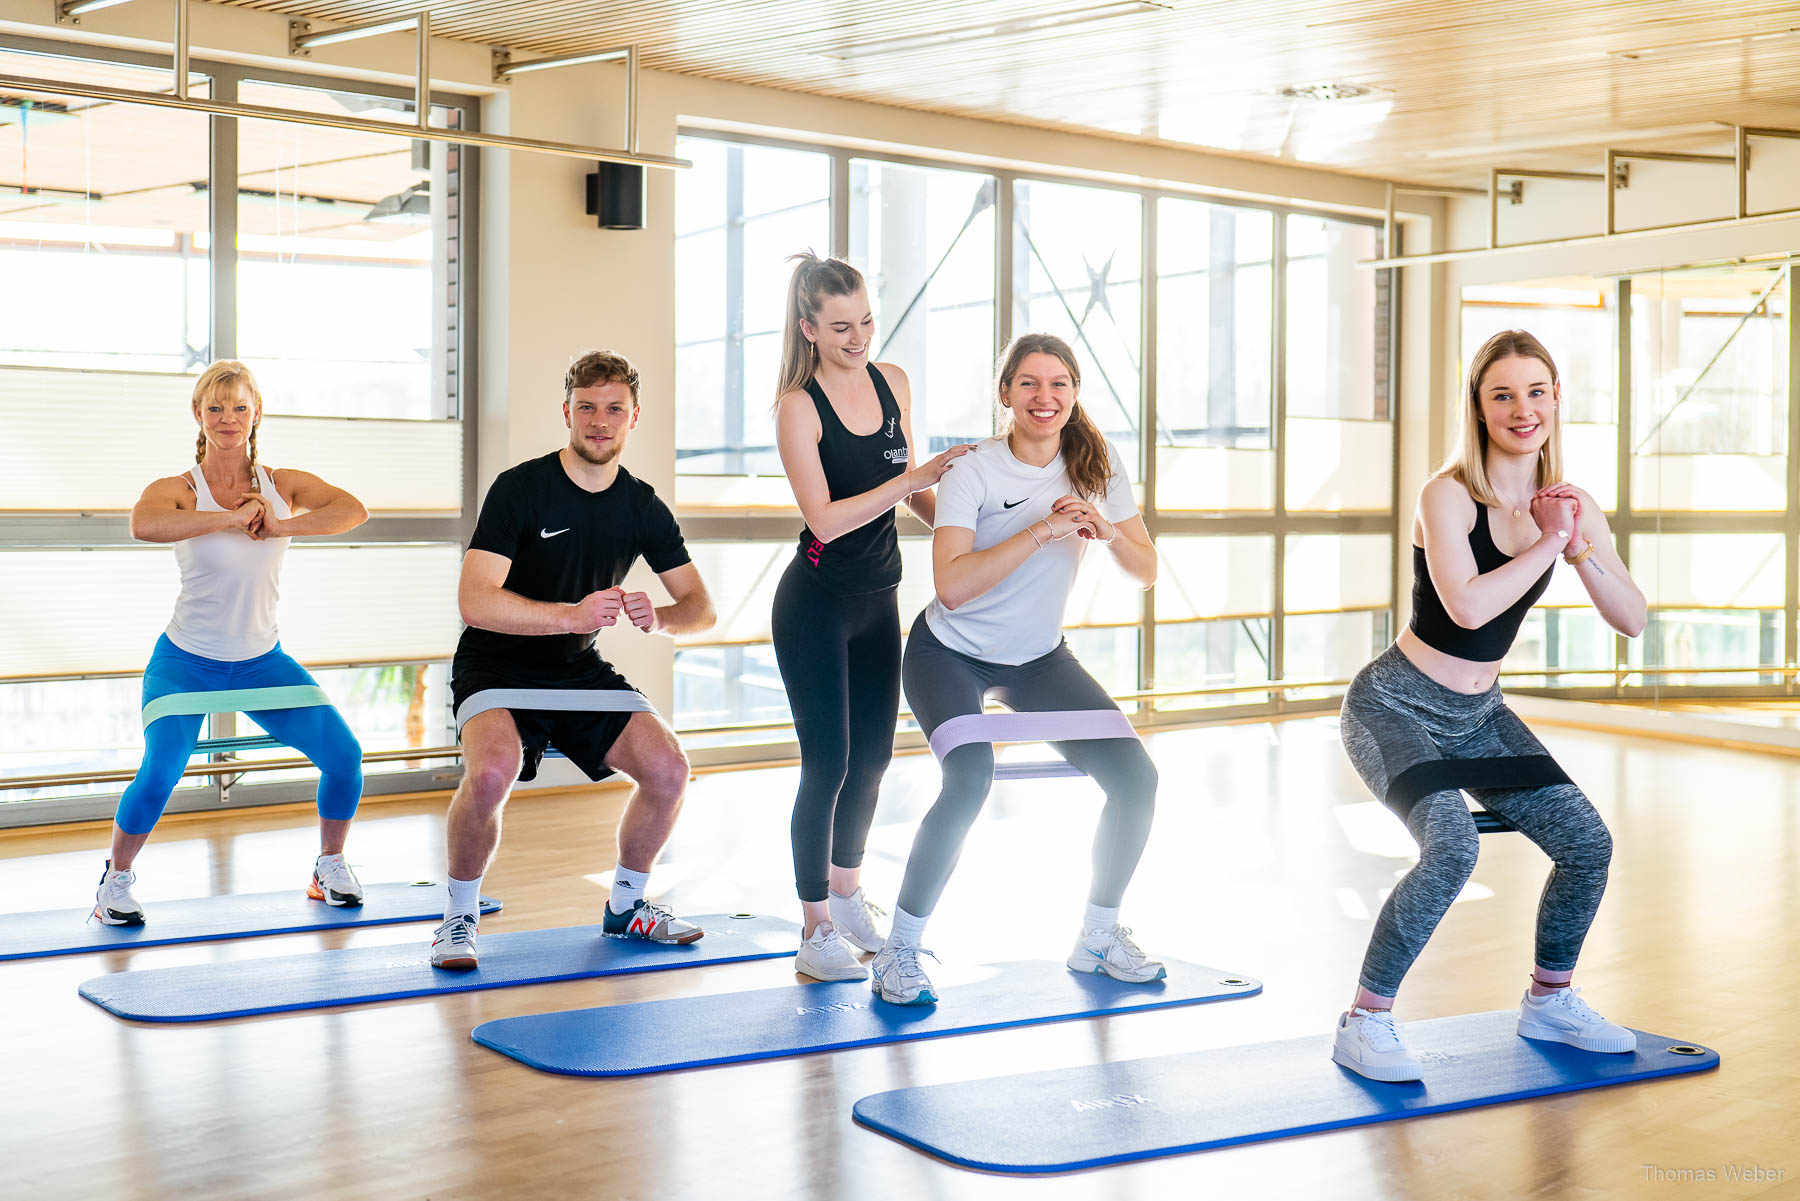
229, 520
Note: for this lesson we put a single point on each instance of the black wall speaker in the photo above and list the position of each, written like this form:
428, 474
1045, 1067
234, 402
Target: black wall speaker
615, 195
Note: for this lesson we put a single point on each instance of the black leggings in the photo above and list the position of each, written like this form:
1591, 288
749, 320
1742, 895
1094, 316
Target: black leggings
840, 663
941, 684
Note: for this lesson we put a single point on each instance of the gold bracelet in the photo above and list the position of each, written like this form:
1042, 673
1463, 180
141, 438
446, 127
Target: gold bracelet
1577, 560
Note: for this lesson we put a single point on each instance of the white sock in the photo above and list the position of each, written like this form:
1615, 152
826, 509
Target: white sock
465, 898
627, 889
1099, 917
907, 929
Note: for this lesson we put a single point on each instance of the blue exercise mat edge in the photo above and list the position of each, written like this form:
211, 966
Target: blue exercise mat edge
1690, 1059
124, 938
1203, 985
758, 938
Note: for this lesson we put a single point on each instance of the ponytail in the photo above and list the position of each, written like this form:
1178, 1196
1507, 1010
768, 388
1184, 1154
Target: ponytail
813, 280
1086, 456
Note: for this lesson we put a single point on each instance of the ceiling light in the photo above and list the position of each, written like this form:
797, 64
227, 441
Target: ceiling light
1673, 48
1061, 19
1327, 89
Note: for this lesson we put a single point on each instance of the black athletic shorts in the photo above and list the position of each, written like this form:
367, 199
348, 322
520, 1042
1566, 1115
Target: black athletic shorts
585, 738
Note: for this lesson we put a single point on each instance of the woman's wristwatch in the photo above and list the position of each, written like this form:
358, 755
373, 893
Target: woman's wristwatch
1576, 560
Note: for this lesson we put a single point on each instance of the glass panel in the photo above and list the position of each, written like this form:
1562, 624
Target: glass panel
56, 727
721, 685
1110, 656
340, 604
924, 239
1327, 572
1210, 654
1709, 391
1566, 639
1575, 320
388, 708
1715, 601
99, 209
349, 291
1214, 576
1214, 397
1078, 274
739, 213
1340, 440
1332, 646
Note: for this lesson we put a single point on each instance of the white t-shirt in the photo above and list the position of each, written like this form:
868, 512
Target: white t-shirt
992, 493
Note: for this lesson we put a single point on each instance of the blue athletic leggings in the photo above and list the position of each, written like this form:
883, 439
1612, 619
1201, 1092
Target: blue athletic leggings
318, 732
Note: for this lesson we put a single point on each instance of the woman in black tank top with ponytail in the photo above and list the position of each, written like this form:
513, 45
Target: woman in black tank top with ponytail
844, 429
1425, 721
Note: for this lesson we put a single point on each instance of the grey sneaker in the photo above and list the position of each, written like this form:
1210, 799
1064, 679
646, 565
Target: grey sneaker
855, 917
648, 920
826, 956
897, 978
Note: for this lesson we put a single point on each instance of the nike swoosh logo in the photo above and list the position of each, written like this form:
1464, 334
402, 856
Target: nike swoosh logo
543, 533
1007, 504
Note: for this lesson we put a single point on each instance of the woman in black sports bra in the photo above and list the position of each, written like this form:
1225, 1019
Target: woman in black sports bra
844, 427
1425, 721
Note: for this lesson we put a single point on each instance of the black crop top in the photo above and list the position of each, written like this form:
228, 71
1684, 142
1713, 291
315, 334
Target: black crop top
866, 559
1433, 624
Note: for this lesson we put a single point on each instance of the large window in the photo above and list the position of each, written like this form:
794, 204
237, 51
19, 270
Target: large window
1275, 532
1704, 517
337, 274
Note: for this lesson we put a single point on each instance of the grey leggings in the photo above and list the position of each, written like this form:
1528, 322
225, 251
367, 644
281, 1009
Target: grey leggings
1418, 746
940, 684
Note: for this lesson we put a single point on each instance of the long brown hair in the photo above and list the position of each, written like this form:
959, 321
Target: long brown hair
814, 279
1084, 450
215, 379
1467, 465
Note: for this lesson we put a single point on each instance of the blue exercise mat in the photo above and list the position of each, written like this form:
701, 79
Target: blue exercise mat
358, 975
631, 1040
202, 919
1142, 1108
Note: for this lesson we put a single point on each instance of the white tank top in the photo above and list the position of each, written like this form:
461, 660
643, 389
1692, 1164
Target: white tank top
229, 583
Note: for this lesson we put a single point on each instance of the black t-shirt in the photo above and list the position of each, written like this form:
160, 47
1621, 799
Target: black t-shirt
565, 543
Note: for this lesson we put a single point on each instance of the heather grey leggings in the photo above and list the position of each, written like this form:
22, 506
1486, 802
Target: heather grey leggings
1418, 746
940, 684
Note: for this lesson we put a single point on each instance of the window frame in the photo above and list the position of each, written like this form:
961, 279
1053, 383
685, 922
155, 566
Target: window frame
106, 530
727, 523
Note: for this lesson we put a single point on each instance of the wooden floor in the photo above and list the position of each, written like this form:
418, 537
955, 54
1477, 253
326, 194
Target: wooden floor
1267, 859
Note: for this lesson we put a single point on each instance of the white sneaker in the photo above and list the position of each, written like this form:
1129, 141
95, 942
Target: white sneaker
1368, 1044
334, 883
897, 978
854, 916
1563, 1017
453, 944
826, 956
113, 903
1110, 950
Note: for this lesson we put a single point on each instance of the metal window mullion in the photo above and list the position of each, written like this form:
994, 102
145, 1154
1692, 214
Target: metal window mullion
1790, 618
1625, 517
1004, 182
1278, 426
1147, 427
222, 214
840, 203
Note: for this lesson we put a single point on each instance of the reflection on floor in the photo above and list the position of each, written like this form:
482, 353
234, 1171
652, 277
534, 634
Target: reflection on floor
1268, 857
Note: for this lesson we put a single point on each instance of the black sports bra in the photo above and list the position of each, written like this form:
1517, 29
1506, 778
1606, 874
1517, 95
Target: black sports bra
1433, 624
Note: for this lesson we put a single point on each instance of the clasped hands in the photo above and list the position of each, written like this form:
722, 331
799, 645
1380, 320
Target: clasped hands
598, 610
1073, 515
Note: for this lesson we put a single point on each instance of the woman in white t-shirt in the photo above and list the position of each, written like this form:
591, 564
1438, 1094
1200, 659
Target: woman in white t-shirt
1013, 521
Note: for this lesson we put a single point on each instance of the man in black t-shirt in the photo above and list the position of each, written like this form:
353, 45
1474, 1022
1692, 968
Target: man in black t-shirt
542, 575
